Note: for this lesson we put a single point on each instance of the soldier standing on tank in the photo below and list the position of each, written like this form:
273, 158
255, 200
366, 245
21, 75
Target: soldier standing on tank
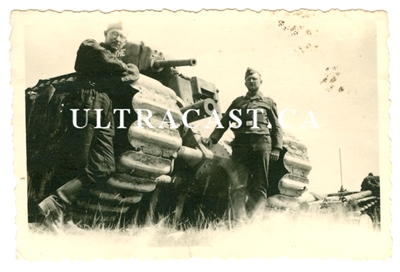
100, 77
253, 147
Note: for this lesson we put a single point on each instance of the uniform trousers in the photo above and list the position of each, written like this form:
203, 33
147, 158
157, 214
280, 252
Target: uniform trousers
88, 150
250, 153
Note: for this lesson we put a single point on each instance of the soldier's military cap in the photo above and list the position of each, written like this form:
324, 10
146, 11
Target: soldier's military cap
250, 71
115, 26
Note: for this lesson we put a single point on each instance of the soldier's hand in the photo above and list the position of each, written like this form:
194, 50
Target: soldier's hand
274, 154
131, 74
207, 142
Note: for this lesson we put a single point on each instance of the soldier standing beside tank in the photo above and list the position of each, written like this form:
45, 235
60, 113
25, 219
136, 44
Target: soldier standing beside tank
89, 151
253, 148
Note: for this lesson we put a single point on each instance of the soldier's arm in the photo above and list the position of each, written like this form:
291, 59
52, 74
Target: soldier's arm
94, 60
219, 132
276, 131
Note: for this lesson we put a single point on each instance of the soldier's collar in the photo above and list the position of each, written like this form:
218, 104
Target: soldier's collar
258, 95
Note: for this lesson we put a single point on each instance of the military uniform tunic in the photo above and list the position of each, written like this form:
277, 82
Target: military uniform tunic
100, 79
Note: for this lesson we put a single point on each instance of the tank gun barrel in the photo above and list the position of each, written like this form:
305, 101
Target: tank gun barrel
205, 108
191, 155
356, 196
158, 64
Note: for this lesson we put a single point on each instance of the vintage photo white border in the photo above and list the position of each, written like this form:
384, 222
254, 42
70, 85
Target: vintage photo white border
8, 228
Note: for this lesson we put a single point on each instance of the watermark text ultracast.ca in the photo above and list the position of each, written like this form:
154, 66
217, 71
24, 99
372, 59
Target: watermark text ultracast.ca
144, 115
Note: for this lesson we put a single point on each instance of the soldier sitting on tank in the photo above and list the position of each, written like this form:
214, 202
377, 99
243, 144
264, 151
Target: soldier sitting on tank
89, 151
253, 146
371, 183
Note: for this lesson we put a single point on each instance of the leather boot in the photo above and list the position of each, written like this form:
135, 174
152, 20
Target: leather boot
259, 208
70, 191
256, 205
238, 202
53, 210
54, 207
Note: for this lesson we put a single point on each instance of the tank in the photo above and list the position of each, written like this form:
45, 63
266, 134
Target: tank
164, 172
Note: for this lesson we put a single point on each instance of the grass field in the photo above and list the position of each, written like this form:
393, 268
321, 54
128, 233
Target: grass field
272, 236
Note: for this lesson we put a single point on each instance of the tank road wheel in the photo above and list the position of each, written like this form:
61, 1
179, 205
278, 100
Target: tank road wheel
367, 213
375, 216
179, 208
203, 189
369, 220
150, 216
183, 207
162, 204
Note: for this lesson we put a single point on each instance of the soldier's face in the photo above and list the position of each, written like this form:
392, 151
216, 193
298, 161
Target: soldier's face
115, 38
253, 82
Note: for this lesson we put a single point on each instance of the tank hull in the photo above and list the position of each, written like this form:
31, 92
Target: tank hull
163, 169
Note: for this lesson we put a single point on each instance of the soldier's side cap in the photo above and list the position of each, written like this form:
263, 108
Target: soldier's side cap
250, 71
115, 26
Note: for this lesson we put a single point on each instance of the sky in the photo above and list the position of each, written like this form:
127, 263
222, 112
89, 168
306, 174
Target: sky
312, 63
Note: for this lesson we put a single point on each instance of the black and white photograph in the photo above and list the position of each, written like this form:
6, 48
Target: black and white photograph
213, 134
